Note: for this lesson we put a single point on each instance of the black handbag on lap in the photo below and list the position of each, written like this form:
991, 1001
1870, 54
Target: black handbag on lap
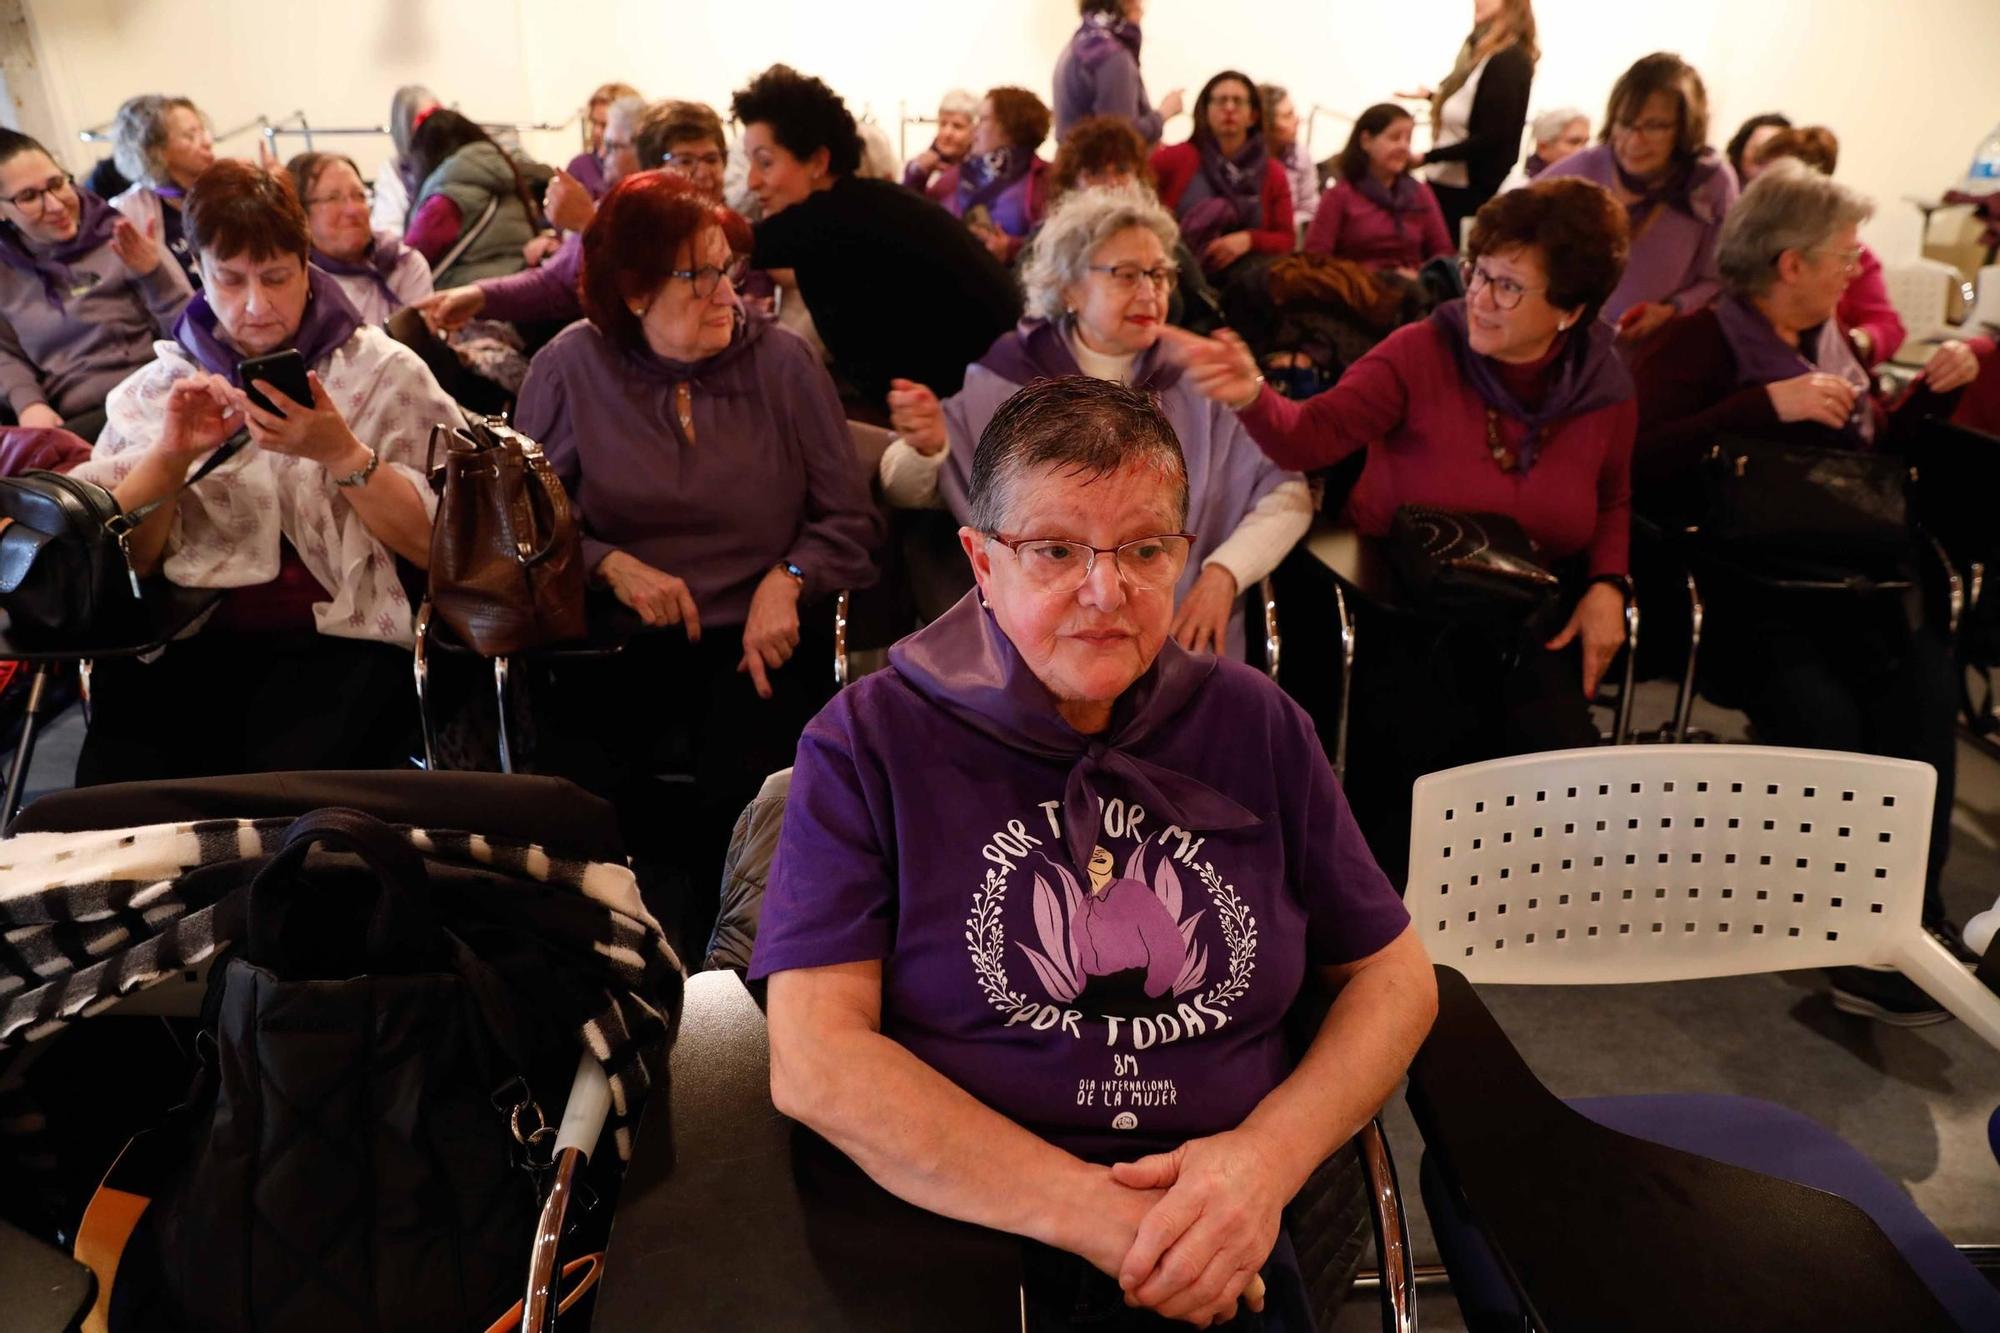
1801, 512
64, 567
1468, 566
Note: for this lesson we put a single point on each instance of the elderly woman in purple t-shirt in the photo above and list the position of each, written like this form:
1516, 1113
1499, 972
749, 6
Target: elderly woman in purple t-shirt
1048, 886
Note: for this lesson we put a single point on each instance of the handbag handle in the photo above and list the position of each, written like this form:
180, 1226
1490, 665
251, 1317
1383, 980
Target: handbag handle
536, 482
120, 524
402, 930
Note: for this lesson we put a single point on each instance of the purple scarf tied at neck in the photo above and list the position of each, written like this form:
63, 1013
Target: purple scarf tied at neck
1586, 374
1534, 166
964, 664
1237, 177
984, 177
1681, 187
1038, 349
329, 321
1762, 357
377, 262
1101, 35
51, 268
1403, 199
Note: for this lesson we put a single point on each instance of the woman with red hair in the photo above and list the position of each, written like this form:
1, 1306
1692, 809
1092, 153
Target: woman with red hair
722, 501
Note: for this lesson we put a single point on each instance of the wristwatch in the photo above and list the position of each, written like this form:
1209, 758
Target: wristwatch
360, 476
793, 572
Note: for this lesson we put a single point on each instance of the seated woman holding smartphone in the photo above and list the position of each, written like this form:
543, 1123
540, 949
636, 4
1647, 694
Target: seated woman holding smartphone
304, 663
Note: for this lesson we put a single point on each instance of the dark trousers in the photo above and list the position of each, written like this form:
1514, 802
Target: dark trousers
221, 703
1458, 202
636, 727
1064, 1294
1832, 672
1430, 696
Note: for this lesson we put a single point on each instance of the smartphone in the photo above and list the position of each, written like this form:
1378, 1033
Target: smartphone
284, 371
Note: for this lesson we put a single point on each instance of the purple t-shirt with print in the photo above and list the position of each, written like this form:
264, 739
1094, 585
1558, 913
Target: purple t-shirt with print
1115, 1008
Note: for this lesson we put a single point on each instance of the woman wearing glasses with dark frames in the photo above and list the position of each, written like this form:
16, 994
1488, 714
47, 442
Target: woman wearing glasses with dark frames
1046, 889
721, 500
83, 293
1654, 157
1098, 280
1510, 401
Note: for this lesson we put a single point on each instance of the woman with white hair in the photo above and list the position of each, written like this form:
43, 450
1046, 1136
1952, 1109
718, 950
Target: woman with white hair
1557, 134
161, 143
1098, 278
956, 112
1769, 359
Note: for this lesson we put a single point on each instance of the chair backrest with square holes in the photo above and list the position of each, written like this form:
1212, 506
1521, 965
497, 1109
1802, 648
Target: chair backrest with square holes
1663, 863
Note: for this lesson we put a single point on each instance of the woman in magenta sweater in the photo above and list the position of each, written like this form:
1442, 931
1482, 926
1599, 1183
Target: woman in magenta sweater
1512, 401
1378, 214
1229, 194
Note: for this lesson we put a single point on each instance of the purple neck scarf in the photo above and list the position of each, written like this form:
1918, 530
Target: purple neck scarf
964, 664
1762, 357
51, 267
1239, 179
1101, 35
1534, 166
330, 320
1403, 199
1587, 374
984, 177
1680, 187
1038, 349
377, 262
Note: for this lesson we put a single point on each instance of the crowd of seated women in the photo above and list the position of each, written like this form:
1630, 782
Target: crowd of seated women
1044, 345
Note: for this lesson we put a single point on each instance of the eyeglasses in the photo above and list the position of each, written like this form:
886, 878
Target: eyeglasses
1052, 564
612, 145
1506, 294
1850, 258
362, 197
1652, 129
690, 161
1166, 277
708, 277
31, 199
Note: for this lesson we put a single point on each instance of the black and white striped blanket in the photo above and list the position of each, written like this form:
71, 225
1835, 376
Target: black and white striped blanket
87, 918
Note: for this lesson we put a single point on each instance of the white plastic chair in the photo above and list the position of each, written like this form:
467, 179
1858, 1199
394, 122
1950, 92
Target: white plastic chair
1595, 866
1923, 292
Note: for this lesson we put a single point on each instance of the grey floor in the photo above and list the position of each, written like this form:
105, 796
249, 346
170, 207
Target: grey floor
1916, 1101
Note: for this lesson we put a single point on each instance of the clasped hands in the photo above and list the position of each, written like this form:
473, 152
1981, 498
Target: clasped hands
1190, 1229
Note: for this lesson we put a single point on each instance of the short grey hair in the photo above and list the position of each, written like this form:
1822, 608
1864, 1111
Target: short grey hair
1079, 425
1551, 124
958, 102
626, 111
1788, 207
1075, 228
139, 136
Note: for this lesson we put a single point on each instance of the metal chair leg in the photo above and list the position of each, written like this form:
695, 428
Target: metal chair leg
84, 668
420, 665
840, 604
1273, 642
1684, 701
1392, 1235
24, 749
500, 698
1621, 726
1347, 629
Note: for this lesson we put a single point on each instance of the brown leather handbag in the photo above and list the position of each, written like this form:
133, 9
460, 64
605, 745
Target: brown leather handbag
506, 553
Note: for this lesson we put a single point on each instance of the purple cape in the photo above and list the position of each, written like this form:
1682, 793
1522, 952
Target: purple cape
965, 665
93, 229
1586, 375
1762, 357
329, 321
377, 262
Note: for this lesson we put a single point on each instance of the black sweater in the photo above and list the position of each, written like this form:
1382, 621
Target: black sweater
898, 287
1493, 131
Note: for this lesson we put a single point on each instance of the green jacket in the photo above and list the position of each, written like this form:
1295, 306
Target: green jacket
471, 178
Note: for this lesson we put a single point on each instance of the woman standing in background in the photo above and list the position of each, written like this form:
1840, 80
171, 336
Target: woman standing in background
1098, 72
1478, 111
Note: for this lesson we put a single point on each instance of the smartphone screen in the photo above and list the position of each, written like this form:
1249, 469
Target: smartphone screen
284, 371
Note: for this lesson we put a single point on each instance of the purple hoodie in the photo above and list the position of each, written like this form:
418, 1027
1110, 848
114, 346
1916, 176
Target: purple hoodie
1097, 936
770, 475
1098, 75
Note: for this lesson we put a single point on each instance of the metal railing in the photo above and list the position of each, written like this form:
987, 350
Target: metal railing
297, 125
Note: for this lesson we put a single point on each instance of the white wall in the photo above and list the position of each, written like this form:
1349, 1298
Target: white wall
1910, 86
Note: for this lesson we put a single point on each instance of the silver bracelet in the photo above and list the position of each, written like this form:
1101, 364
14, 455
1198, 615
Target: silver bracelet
360, 476
1252, 400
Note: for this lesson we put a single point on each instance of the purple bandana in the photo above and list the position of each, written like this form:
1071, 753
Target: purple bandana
1587, 374
1102, 34
1038, 350
984, 177
1762, 357
1681, 187
964, 664
377, 262
93, 229
329, 321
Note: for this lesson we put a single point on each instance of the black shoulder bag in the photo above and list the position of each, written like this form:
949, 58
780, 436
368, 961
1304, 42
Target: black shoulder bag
1469, 567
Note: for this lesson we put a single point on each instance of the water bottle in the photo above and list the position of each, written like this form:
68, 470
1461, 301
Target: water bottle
1984, 177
